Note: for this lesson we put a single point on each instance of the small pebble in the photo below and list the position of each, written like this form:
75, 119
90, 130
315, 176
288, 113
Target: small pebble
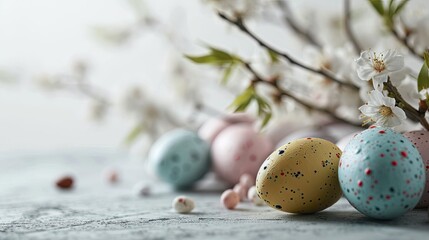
252, 195
183, 204
65, 182
241, 191
112, 176
141, 189
247, 181
229, 199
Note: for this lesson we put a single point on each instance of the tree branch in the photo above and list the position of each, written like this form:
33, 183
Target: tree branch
284, 93
239, 23
349, 31
408, 109
290, 20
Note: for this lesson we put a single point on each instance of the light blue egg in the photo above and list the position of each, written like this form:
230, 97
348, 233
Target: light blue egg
381, 173
180, 158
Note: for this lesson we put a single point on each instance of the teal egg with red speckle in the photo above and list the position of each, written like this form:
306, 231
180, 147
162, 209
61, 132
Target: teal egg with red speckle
381, 173
180, 158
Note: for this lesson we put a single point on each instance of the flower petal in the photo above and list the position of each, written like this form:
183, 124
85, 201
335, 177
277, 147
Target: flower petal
396, 63
375, 98
389, 102
366, 72
392, 121
369, 111
399, 113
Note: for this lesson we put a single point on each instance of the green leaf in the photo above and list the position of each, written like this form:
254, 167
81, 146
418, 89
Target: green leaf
215, 57
227, 72
205, 59
264, 110
266, 119
274, 57
134, 134
391, 8
426, 57
242, 101
400, 6
423, 78
222, 55
378, 6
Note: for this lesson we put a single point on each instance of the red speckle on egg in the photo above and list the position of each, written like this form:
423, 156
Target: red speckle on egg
180, 200
338, 155
394, 163
237, 157
360, 183
382, 155
387, 197
252, 157
282, 173
408, 181
309, 138
368, 171
372, 126
404, 154
370, 198
382, 132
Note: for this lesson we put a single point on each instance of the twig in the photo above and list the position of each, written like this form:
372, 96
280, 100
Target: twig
349, 31
290, 20
283, 92
239, 23
404, 41
408, 109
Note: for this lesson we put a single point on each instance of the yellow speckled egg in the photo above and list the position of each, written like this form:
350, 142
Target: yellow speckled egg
301, 176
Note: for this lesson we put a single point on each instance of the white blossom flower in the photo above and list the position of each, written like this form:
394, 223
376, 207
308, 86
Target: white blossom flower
424, 94
382, 110
378, 67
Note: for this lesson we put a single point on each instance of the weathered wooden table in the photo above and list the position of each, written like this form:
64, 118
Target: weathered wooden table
32, 208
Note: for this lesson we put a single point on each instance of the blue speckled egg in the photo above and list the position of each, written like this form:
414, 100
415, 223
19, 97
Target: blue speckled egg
381, 173
180, 158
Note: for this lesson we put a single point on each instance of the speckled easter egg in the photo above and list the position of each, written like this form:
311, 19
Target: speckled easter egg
180, 158
301, 176
420, 139
381, 173
237, 150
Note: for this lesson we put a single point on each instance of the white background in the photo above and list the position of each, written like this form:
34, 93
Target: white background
46, 36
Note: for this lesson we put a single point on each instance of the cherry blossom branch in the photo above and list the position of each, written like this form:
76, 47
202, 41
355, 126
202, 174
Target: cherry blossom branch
284, 93
322, 72
408, 109
290, 20
349, 31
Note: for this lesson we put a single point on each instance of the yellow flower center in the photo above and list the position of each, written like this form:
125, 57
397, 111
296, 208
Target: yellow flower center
378, 63
385, 111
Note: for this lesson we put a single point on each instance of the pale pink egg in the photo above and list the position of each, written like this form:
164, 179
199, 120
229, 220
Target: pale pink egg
420, 139
212, 127
229, 199
241, 191
237, 150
